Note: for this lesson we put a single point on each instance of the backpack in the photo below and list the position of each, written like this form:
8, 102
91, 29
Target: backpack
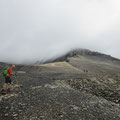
5, 71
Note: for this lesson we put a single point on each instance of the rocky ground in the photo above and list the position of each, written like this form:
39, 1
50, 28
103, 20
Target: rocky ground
62, 91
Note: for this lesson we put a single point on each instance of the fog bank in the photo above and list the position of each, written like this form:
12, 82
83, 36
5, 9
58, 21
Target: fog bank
37, 30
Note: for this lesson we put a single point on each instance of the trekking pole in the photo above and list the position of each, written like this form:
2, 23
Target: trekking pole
16, 78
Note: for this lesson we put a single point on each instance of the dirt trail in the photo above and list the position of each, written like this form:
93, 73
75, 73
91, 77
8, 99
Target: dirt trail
61, 65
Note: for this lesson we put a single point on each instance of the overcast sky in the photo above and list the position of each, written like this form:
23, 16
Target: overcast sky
32, 30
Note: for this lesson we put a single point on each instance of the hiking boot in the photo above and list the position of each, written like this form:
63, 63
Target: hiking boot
3, 92
9, 90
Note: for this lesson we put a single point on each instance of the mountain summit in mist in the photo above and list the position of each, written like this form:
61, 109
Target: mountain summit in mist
55, 81
81, 52
81, 85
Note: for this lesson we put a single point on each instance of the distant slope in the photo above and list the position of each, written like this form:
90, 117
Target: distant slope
83, 52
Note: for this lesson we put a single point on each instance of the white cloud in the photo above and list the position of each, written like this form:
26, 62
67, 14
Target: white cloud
38, 30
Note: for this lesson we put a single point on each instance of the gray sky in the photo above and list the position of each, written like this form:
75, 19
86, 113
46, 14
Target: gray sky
33, 30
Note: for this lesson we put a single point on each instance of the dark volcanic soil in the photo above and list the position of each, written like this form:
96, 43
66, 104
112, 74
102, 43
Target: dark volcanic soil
62, 91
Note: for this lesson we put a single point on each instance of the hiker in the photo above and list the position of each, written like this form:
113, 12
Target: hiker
85, 71
7, 74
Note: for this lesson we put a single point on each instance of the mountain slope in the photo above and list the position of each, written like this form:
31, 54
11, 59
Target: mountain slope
63, 91
83, 52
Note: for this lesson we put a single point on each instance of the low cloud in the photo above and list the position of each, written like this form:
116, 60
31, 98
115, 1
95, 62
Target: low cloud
38, 30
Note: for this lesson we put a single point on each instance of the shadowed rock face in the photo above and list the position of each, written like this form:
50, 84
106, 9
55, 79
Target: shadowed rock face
63, 91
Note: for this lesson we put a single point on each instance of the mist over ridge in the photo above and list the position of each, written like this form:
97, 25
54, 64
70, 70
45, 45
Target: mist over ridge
41, 30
